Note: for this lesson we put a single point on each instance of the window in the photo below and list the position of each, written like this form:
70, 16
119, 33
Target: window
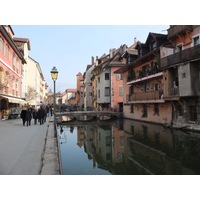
121, 141
121, 91
178, 48
108, 141
1, 45
107, 76
7, 51
16, 86
156, 109
131, 90
131, 108
196, 40
192, 114
184, 75
98, 79
1, 79
107, 91
144, 110
119, 77
156, 87
98, 93
153, 45
7, 78
14, 61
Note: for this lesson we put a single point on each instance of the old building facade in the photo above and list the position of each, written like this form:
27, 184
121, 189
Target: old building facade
181, 71
17, 73
11, 69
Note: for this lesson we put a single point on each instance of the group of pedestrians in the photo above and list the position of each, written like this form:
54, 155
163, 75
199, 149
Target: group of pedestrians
40, 115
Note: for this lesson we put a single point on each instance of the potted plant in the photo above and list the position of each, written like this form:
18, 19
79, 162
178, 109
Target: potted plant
4, 114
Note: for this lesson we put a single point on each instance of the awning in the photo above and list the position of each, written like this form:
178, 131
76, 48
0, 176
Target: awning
14, 99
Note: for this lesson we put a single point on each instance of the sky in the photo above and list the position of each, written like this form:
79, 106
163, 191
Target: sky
70, 47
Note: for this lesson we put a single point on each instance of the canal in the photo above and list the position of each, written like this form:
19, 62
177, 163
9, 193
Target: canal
127, 148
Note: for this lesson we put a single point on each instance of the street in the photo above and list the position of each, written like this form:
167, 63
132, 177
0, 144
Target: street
21, 147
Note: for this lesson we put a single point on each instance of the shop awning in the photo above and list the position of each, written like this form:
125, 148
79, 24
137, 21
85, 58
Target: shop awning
14, 99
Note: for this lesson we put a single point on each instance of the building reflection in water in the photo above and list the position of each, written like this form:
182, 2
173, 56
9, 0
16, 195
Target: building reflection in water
132, 147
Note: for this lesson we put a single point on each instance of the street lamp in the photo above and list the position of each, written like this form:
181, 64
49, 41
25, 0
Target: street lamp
54, 76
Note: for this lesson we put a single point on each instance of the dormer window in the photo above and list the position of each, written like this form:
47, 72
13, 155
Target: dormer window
153, 45
178, 48
128, 59
196, 41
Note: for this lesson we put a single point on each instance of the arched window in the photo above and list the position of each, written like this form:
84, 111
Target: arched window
7, 82
16, 87
1, 46
13, 86
7, 51
1, 79
14, 61
17, 65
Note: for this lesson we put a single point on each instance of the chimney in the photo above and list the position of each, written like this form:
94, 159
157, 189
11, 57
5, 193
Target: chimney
96, 60
112, 52
92, 60
135, 40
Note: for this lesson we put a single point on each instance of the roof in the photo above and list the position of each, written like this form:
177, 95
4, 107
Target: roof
71, 90
156, 36
24, 40
10, 40
79, 74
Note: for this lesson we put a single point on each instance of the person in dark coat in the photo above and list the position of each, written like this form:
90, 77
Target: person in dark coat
41, 115
47, 110
35, 117
28, 117
23, 116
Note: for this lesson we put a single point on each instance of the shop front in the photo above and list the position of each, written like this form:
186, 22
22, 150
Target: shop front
10, 107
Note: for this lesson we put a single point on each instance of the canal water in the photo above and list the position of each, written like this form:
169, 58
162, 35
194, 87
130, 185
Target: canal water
127, 147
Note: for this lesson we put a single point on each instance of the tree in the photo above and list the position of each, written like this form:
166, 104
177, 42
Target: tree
31, 93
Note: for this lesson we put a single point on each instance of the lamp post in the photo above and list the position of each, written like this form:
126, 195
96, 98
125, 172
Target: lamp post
54, 76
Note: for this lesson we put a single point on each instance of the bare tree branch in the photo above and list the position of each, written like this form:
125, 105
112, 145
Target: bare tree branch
31, 93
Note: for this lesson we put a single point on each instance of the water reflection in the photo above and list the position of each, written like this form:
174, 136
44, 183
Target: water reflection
128, 148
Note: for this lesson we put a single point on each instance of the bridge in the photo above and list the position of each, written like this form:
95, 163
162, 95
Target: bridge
89, 114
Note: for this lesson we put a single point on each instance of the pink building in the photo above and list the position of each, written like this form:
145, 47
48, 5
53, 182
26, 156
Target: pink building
11, 69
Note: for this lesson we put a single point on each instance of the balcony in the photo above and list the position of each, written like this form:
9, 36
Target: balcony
186, 55
173, 31
173, 95
148, 73
145, 97
145, 78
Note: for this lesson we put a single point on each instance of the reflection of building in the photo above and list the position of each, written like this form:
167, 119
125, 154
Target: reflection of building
153, 149
118, 145
141, 148
80, 136
103, 143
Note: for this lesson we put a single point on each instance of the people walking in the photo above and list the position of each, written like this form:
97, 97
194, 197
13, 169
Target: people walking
51, 110
35, 117
41, 115
47, 110
23, 115
28, 117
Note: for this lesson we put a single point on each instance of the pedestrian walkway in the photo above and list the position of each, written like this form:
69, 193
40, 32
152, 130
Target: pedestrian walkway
28, 150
